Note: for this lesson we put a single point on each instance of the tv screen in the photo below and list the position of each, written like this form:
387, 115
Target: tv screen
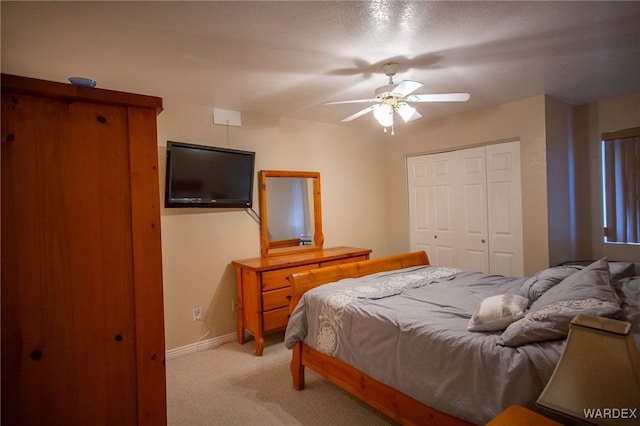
206, 176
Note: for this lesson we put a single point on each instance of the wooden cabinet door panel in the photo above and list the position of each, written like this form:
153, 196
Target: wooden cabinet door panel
69, 290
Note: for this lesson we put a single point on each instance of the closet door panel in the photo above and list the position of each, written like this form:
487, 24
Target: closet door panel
419, 200
427, 248
443, 206
505, 204
444, 209
472, 214
504, 263
475, 201
432, 207
422, 209
444, 254
421, 219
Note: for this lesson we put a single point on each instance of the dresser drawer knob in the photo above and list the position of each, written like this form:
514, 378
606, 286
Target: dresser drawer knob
289, 297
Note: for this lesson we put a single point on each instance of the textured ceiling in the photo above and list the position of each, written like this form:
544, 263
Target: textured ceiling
288, 58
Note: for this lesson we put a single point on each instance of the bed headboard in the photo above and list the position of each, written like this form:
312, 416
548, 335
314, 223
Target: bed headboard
303, 281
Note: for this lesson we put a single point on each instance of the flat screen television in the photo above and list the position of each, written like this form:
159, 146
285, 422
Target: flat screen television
208, 177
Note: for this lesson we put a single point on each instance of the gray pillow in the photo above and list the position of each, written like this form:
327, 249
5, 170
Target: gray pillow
621, 270
542, 281
587, 291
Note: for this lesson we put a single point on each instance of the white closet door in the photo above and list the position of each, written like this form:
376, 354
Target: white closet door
505, 209
431, 204
471, 230
420, 187
465, 208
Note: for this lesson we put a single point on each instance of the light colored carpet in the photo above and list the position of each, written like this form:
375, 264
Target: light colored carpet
229, 385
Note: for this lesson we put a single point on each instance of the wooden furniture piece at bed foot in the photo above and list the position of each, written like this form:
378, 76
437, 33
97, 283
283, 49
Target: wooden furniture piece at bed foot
264, 293
517, 415
384, 398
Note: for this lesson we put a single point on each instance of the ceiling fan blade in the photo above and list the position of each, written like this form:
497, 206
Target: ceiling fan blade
359, 113
439, 97
407, 112
415, 116
351, 102
406, 87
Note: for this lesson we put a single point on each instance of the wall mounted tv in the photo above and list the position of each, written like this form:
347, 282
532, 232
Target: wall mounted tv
208, 177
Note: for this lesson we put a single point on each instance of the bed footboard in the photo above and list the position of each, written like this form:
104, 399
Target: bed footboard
388, 400
303, 281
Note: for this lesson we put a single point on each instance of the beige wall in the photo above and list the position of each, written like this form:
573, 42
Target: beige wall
561, 198
364, 190
584, 181
199, 244
521, 120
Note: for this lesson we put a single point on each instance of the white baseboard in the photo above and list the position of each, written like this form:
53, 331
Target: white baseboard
200, 346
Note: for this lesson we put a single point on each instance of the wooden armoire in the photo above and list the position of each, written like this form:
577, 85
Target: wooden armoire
82, 307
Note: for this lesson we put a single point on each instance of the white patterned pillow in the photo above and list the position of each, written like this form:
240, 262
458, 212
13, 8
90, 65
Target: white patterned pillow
497, 312
587, 291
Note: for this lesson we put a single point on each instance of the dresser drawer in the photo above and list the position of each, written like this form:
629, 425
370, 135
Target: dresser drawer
275, 320
345, 260
276, 298
272, 280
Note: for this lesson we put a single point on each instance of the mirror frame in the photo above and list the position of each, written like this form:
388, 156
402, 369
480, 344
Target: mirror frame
275, 248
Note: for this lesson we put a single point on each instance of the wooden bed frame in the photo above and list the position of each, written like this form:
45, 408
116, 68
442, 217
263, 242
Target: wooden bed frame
392, 402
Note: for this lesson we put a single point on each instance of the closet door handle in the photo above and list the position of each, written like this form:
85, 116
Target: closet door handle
482, 241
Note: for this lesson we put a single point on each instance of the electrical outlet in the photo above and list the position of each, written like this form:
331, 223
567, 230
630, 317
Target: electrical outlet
234, 306
197, 313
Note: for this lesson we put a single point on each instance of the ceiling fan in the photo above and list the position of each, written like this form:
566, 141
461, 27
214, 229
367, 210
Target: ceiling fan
397, 98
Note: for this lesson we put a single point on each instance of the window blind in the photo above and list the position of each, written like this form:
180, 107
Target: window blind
621, 186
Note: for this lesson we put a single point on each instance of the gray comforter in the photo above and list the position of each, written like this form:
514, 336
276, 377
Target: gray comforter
408, 329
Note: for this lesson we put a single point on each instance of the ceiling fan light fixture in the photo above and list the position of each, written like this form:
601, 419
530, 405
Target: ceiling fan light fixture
383, 113
394, 97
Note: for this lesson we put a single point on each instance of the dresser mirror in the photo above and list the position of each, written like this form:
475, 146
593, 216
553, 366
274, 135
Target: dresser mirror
290, 212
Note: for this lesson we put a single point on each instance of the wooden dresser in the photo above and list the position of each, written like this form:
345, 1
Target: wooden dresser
264, 292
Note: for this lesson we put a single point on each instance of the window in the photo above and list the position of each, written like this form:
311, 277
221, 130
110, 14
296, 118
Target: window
621, 186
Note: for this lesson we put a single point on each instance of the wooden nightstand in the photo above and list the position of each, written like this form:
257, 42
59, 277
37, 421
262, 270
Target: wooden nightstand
517, 415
